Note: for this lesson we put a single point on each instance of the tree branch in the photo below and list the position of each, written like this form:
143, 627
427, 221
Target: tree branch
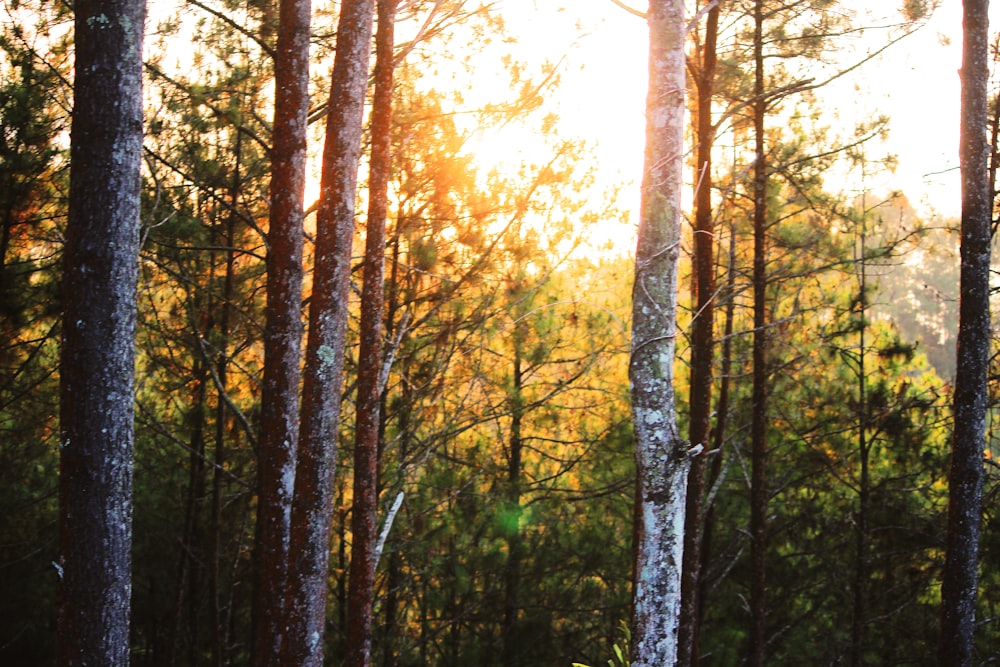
631, 10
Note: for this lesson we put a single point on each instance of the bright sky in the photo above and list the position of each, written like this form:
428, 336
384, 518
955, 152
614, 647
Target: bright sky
603, 90
916, 82
603, 51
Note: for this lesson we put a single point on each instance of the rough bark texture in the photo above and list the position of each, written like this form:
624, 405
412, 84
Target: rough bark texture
758, 425
99, 315
283, 330
965, 480
364, 516
324, 365
702, 343
662, 457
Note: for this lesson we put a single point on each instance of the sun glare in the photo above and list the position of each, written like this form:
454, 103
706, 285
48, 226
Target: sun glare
503, 149
599, 52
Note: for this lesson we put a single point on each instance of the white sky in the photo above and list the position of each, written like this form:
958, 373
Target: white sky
602, 53
603, 50
916, 82
603, 89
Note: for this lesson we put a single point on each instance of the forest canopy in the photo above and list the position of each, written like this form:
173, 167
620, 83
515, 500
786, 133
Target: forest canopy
446, 189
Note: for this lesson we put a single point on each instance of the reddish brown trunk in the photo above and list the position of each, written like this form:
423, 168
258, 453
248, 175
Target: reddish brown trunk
702, 346
861, 565
221, 411
323, 374
364, 518
511, 649
283, 331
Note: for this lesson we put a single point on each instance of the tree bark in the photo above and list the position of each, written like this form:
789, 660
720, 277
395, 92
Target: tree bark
282, 331
510, 644
99, 315
324, 364
861, 566
662, 457
391, 604
721, 426
965, 479
364, 516
702, 344
758, 425
228, 240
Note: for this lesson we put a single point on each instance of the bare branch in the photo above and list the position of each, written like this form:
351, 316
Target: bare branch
701, 12
631, 10
387, 526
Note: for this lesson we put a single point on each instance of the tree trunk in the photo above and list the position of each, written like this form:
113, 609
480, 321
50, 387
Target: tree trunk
187, 562
99, 314
324, 364
758, 425
228, 240
364, 516
965, 479
511, 649
860, 607
721, 426
662, 457
702, 345
282, 331
392, 637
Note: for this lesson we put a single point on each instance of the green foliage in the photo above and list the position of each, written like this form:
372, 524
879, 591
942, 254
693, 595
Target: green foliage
505, 420
33, 67
620, 648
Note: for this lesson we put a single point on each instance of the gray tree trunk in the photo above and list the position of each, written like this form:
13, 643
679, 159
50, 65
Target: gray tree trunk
965, 479
99, 314
662, 457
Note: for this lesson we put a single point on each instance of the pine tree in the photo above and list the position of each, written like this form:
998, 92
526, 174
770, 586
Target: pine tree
702, 340
662, 458
327, 335
99, 314
965, 479
367, 445
275, 597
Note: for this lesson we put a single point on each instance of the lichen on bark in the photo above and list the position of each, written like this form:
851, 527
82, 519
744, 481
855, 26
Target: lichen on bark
661, 455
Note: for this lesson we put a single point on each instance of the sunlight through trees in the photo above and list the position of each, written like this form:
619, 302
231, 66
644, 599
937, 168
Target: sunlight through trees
707, 418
